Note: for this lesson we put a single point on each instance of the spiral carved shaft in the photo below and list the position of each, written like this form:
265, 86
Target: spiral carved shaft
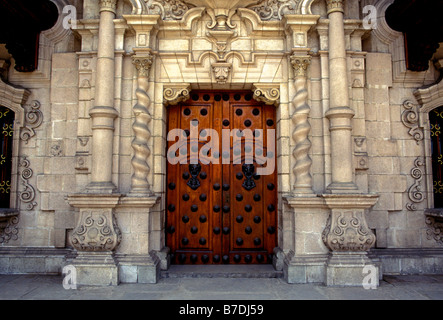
142, 135
303, 162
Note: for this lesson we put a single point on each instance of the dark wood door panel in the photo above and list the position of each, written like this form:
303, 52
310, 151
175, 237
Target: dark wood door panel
221, 212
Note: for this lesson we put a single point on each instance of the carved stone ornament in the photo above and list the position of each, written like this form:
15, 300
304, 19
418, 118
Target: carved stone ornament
415, 192
108, 5
221, 72
143, 64
275, 9
334, 6
97, 231
33, 120
267, 94
434, 221
167, 9
27, 196
8, 226
173, 95
300, 65
410, 118
347, 231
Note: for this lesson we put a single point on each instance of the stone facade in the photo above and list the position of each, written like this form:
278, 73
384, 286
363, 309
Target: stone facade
353, 141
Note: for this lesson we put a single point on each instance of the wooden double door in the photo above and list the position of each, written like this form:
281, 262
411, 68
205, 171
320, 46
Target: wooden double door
221, 198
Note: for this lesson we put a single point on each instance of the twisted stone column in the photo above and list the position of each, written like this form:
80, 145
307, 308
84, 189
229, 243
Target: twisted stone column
103, 113
142, 135
303, 162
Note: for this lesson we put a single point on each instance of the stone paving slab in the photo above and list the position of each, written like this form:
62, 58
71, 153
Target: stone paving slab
36, 287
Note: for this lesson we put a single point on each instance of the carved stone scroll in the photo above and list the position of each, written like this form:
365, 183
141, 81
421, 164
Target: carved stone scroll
174, 94
268, 94
8, 226
415, 192
33, 120
410, 118
27, 196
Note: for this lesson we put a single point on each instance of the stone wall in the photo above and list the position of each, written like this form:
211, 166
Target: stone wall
188, 55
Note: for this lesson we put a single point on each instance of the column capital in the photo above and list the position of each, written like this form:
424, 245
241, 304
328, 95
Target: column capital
335, 6
300, 64
143, 64
108, 5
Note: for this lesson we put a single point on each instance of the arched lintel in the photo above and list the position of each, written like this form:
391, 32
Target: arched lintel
14, 99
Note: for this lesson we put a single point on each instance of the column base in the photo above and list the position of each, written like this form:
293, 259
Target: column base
138, 269
101, 188
342, 187
95, 269
304, 269
352, 269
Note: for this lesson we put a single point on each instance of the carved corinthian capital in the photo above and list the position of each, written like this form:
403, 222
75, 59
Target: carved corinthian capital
108, 5
143, 64
300, 64
335, 6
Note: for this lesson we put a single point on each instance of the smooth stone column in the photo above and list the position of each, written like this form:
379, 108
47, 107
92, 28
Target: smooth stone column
103, 113
339, 114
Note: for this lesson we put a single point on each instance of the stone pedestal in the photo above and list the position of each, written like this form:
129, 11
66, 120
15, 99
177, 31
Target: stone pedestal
137, 262
305, 261
138, 269
348, 269
96, 269
349, 239
95, 237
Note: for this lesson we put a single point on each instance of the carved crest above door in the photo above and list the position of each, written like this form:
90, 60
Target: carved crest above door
221, 10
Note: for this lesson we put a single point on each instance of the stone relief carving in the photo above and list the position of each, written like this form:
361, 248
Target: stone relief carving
410, 118
8, 228
27, 196
97, 231
173, 95
348, 231
275, 9
221, 72
33, 120
434, 221
270, 95
167, 9
415, 192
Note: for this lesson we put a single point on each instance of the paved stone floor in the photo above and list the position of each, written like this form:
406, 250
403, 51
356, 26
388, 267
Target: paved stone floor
37, 287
